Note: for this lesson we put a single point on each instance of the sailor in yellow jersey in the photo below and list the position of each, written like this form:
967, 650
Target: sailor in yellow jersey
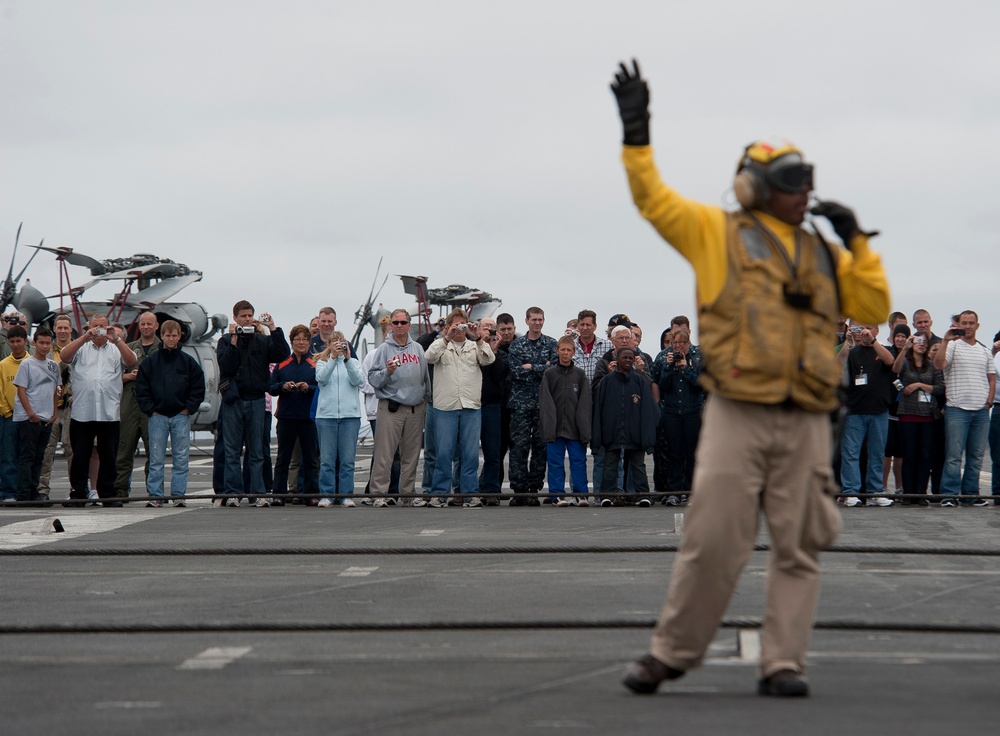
769, 296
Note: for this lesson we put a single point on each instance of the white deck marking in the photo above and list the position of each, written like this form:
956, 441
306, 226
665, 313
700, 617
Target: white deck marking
431, 533
76, 523
214, 658
358, 572
749, 645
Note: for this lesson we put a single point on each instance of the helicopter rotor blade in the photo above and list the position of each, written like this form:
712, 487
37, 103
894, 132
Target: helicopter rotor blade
19, 275
9, 285
13, 255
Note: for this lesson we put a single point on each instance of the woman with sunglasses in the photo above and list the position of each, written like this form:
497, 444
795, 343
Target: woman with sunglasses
921, 385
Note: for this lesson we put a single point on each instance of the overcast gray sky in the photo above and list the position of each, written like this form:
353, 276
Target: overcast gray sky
282, 148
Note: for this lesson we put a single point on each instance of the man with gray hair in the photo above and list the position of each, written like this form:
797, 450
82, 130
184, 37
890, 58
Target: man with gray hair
398, 374
97, 358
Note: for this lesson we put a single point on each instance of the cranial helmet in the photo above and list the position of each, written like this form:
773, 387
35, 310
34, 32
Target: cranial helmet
766, 165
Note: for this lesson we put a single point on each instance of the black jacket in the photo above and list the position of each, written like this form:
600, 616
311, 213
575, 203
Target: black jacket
168, 382
625, 414
256, 353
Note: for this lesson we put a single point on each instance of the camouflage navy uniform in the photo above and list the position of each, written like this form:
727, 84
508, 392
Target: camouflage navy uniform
134, 424
525, 437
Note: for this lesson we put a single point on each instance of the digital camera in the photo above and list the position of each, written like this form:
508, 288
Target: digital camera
10, 319
248, 330
102, 330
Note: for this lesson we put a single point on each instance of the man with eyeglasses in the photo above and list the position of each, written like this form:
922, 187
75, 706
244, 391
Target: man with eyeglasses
11, 319
398, 375
769, 294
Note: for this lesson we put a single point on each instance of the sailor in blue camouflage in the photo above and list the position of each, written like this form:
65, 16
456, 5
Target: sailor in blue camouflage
530, 356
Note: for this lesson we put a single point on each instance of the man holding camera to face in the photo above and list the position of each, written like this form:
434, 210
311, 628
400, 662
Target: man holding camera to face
244, 358
970, 386
869, 379
97, 358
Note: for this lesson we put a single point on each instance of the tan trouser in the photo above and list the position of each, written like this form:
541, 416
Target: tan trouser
404, 429
752, 458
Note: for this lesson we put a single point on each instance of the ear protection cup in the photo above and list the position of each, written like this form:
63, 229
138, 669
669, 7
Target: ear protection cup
750, 189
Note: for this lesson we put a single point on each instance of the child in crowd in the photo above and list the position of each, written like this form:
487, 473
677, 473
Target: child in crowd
564, 419
38, 379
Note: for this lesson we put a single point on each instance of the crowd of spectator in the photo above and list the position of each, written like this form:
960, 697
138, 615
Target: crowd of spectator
466, 395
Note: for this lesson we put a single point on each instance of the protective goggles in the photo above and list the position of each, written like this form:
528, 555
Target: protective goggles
790, 174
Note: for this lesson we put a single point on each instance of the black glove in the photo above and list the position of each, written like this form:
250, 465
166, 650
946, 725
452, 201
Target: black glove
845, 224
633, 104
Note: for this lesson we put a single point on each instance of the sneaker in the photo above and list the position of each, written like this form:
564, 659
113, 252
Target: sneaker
325, 503
644, 502
366, 502
473, 503
562, 502
583, 501
645, 675
154, 504
852, 501
948, 504
262, 503
672, 500
379, 503
784, 684
347, 503
437, 503
234, 502
418, 502
533, 501
607, 502
455, 501
883, 501
980, 502
390, 502
490, 501
515, 502
180, 504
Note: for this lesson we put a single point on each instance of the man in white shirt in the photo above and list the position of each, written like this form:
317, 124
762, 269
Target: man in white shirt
458, 386
970, 383
97, 357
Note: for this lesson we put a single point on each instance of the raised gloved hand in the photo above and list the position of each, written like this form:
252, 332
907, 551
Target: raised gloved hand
845, 224
633, 104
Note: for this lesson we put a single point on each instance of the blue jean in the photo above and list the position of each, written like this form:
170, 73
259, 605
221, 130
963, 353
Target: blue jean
178, 429
856, 427
489, 438
964, 431
456, 435
557, 451
244, 423
8, 458
338, 442
995, 449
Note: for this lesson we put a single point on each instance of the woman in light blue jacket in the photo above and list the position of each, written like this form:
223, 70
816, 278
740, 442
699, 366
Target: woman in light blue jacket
338, 419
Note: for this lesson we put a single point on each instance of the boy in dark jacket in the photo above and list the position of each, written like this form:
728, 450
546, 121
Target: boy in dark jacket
564, 419
169, 388
625, 419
